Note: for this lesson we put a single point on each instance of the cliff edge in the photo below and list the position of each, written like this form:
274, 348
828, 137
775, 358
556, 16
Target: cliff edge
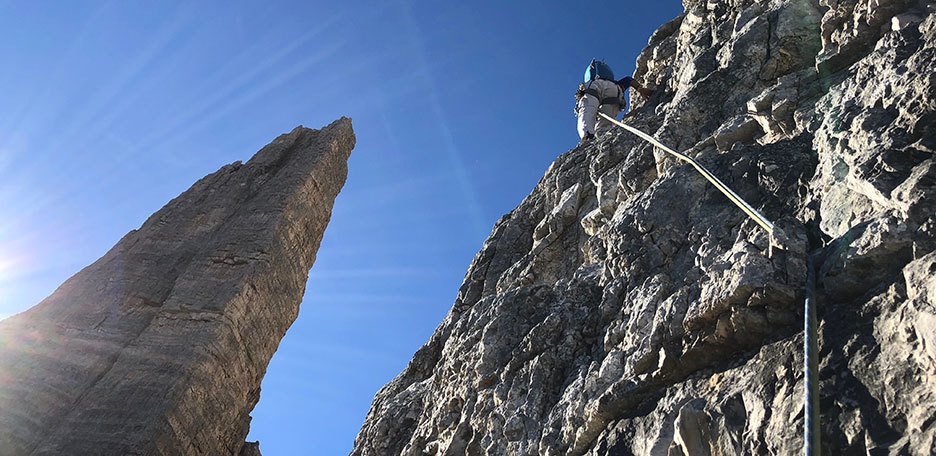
628, 307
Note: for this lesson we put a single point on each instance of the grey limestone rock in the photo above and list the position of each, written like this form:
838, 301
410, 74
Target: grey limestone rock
647, 318
159, 347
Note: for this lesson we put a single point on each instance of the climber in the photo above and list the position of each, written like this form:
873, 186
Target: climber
601, 92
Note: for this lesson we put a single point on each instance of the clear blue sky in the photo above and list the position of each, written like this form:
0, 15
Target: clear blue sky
111, 109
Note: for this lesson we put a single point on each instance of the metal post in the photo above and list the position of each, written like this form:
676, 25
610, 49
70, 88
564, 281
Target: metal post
812, 443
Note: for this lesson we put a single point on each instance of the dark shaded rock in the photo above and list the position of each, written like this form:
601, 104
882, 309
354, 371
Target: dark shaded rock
160, 346
250, 449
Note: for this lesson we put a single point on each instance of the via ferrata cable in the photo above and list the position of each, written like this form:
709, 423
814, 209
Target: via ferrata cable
750, 211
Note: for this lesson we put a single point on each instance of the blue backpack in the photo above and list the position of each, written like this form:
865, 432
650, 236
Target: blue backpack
598, 70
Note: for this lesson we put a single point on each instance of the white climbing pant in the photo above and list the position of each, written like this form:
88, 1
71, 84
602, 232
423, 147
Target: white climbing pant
587, 107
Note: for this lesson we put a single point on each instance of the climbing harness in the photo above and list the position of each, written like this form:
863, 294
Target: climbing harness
812, 445
750, 211
615, 100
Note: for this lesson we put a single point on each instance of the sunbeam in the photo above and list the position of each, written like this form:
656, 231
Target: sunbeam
111, 98
253, 94
462, 178
237, 79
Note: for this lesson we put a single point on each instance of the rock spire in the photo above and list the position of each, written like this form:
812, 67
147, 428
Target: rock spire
159, 347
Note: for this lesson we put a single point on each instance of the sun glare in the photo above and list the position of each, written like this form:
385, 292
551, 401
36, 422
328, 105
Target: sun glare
12, 268
6, 265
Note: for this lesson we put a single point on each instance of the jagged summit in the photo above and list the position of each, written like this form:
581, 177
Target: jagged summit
627, 307
159, 347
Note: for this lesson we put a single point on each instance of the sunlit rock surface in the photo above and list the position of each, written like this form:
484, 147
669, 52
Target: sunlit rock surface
159, 347
627, 307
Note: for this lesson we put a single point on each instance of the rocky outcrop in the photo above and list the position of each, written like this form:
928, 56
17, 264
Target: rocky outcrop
159, 347
627, 307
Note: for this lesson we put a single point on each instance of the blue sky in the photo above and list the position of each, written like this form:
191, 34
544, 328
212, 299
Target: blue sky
111, 109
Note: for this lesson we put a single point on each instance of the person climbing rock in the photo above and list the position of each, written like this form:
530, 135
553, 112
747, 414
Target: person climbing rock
600, 92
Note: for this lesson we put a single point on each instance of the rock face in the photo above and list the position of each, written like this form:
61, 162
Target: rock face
159, 347
627, 308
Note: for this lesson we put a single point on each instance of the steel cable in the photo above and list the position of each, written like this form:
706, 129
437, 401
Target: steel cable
750, 211
812, 445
